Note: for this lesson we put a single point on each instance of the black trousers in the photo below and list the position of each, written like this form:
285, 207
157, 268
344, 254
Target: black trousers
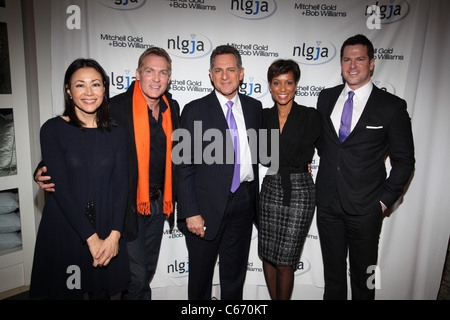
356, 235
232, 245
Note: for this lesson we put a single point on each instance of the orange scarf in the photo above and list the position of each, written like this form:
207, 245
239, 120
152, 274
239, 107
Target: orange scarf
142, 138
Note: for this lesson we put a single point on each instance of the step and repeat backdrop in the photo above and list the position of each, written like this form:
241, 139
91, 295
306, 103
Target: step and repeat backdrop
311, 32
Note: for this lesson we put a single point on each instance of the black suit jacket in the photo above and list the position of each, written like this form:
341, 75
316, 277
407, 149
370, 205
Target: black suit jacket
204, 188
121, 109
356, 169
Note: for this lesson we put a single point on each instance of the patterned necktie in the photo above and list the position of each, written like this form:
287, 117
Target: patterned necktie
346, 119
235, 136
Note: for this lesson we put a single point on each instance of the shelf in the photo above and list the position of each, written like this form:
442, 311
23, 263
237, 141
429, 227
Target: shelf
11, 257
16, 263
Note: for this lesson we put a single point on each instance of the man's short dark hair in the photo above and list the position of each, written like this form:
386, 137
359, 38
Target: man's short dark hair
226, 49
359, 39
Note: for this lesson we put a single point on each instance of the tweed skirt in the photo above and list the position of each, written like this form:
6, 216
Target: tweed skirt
283, 229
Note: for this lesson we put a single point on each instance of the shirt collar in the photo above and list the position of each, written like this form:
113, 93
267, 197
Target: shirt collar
364, 91
223, 100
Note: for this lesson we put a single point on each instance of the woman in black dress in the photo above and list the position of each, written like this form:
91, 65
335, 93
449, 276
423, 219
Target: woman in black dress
287, 201
79, 239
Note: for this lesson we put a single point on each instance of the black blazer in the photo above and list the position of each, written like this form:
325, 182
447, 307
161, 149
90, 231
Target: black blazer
356, 169
204, 188
121, 108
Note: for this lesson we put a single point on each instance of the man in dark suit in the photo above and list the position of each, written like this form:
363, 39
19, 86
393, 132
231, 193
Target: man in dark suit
216, 218
353, 189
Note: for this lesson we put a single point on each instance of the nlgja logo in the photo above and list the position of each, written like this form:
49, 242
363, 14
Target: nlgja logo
191, 46
253, 9
319, 52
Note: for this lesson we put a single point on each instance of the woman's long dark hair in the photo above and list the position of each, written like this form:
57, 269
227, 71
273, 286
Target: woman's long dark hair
103, 117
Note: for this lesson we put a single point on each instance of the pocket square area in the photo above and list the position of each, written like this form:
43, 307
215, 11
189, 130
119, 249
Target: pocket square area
374, 127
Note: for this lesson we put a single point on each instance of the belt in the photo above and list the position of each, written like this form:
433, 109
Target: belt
155, 195
300, 169
286, 180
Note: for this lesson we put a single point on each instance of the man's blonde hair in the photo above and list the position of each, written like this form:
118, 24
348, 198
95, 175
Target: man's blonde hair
156, 51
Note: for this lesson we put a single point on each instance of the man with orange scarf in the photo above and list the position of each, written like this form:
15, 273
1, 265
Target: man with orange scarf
149, 115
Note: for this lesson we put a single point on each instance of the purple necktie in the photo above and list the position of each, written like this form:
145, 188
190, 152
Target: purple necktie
235, 136
346, 119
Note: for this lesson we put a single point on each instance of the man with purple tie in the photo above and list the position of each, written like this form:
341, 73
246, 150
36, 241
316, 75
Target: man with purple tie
361, 126
217, 201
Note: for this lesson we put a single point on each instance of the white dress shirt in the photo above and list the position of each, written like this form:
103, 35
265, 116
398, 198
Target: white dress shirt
246, 169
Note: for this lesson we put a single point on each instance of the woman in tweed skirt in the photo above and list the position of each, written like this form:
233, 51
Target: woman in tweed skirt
287, 200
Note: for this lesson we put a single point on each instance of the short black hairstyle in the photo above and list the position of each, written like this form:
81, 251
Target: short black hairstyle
226, 49
359, 39
281, 66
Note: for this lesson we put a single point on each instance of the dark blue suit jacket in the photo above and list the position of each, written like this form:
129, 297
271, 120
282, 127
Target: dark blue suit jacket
204, 188
356, 168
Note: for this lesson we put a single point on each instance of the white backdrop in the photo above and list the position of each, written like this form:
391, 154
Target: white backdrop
411, 43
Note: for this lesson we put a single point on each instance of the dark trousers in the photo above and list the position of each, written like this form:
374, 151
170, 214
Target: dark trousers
358, 235
232, 245
143, 252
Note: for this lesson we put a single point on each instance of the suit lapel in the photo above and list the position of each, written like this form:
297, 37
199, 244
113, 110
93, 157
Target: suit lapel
218, 121
368, 110
332, 102
215, 112
219, 118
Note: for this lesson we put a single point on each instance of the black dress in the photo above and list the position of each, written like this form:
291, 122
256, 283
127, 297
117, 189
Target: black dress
287, 200
62, 267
